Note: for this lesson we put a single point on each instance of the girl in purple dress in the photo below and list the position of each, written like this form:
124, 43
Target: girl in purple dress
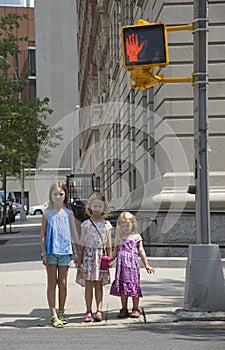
128, 246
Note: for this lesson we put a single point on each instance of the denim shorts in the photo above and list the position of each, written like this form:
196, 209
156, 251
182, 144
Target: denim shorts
60, 260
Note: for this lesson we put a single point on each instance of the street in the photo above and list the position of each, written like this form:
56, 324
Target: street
21, 245
113, 338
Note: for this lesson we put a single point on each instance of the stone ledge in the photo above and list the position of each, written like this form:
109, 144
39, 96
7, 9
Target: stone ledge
171, 262
183, 315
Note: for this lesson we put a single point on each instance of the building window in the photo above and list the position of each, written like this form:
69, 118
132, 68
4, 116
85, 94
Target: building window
115, 33
32, 89
134, 179
31, 62
16, 65
17, 3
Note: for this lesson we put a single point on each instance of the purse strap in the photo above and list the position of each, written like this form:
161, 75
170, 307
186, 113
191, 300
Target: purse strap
99, 234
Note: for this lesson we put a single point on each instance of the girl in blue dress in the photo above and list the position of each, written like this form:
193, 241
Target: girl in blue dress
58, 231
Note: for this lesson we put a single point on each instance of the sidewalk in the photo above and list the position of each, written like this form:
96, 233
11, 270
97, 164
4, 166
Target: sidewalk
23, 301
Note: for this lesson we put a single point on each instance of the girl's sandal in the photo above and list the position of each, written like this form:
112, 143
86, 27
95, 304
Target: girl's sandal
98, 316
56, 324
88, 317
62, 317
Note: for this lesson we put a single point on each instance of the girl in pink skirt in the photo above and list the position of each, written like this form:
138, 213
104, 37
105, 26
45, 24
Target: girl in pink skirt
128, 246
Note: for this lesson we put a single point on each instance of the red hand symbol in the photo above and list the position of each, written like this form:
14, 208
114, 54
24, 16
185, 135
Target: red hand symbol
132, 47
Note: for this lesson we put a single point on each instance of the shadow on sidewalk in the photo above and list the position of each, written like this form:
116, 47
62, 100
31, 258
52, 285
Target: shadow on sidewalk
41, 318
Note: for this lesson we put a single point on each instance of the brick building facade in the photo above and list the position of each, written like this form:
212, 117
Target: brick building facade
25, 61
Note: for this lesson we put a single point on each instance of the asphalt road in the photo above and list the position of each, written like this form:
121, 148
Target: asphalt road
19, 246
113, 338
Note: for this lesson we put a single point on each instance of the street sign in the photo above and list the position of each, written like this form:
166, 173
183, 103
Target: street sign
144, 45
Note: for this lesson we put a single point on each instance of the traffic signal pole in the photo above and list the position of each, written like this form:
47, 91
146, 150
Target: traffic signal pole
204, 286
200, 83
145, 49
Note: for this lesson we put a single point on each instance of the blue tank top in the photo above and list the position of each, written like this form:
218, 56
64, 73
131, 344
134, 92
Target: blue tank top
58, 232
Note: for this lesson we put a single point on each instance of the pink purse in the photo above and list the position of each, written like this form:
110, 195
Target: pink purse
105, 262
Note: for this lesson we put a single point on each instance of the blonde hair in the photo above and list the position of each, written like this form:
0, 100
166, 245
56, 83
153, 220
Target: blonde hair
100, 197
123, 217
55, 186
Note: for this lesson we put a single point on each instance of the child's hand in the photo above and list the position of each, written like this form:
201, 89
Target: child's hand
110, 263
45, 260
78, 260
150, 269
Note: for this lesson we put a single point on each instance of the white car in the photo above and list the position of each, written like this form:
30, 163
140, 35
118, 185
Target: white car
38, 209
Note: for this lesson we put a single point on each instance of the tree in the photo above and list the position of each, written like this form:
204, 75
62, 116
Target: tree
23, 124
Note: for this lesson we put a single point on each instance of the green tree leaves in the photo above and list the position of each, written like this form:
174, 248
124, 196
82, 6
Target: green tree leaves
23, 124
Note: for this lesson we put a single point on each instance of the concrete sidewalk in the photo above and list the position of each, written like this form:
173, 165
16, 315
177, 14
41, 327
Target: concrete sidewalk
23, 297
23, 302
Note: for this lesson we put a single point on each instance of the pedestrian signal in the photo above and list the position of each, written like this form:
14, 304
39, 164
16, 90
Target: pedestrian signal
144, 45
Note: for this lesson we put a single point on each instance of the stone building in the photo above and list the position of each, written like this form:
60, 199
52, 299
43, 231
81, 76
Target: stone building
140, 144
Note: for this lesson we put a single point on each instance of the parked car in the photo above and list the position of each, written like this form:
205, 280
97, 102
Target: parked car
38, 209
1, 214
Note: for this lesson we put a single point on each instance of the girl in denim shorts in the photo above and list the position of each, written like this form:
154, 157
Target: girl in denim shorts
58, 231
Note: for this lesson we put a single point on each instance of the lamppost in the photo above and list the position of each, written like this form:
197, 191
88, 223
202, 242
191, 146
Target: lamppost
22, 210
77, 108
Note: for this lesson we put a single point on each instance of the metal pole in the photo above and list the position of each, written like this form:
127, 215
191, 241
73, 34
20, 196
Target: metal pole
201, 120
77, 145
204, 285
72, 148
22, 210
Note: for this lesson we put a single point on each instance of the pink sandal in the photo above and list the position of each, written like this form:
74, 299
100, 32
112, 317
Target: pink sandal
88, 317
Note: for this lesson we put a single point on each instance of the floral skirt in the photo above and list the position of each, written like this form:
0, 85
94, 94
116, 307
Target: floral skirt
90, 268
83, 275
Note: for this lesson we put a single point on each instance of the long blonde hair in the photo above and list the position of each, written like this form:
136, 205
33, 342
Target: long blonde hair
123, 217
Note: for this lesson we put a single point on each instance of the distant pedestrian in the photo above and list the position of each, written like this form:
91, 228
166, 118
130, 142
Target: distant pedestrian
58, 231
128, 246
95, 238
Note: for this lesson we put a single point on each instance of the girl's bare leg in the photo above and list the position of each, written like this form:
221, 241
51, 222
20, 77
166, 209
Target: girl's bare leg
62, 283
98, 294
88, 294
135, 302
124, 301
51, 287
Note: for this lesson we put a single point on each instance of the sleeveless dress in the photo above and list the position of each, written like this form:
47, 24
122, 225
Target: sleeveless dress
127, 276
58, 232
93, 251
